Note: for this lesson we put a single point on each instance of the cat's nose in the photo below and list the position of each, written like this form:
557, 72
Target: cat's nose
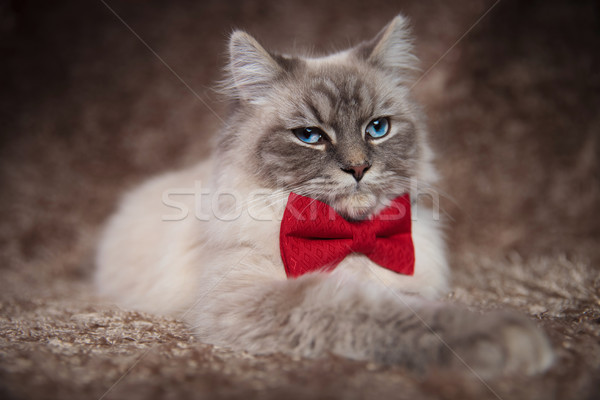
358, 171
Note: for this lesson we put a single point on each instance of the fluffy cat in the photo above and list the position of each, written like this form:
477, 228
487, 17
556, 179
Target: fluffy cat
203, 244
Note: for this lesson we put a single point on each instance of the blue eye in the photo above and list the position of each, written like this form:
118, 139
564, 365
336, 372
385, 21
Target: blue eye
378, 127
309, 135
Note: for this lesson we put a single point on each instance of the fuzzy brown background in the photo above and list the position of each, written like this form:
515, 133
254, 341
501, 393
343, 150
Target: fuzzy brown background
87, 111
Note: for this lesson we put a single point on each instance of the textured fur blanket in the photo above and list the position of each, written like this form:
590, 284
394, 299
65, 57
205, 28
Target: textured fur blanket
88, 110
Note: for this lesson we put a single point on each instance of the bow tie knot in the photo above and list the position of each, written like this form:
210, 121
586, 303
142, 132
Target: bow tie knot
314, 237
363, 240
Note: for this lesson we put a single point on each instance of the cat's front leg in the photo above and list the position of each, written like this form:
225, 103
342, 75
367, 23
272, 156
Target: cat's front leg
321, 313
452, 337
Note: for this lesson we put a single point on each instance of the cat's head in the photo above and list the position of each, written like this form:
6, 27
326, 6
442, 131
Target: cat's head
341, 128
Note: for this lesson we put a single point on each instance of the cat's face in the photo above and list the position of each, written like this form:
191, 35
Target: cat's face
341, 129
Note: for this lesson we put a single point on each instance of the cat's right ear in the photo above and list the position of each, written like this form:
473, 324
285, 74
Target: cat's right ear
251, 68
392, 48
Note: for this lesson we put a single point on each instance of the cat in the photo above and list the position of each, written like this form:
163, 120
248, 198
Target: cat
203, 244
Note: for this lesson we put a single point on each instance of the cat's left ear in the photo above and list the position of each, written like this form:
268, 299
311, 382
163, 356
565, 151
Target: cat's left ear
392, 48
252, 69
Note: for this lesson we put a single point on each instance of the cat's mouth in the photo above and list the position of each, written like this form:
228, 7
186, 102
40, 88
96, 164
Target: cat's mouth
356, 206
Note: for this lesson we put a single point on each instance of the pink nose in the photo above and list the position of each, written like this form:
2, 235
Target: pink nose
358, 171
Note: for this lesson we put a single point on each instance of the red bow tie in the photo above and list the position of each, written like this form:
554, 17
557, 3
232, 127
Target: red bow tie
314, 237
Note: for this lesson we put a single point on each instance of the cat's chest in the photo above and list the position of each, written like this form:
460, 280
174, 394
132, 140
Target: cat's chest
258, 228
254, 224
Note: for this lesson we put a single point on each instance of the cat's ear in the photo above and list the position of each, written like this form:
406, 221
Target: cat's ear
392, 48
251, 68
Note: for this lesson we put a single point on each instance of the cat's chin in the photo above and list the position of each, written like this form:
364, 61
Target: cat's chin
357, 206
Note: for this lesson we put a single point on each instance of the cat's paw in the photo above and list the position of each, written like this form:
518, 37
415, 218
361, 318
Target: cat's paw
498, 343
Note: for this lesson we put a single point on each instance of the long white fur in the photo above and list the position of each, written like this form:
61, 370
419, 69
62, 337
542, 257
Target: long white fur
163, 267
